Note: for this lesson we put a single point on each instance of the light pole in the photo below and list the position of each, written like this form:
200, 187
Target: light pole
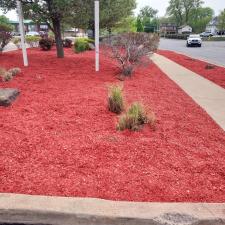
22, 33
96, 36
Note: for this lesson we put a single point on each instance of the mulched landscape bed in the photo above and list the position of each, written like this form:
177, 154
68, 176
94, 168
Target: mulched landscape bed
59, 138
211, 72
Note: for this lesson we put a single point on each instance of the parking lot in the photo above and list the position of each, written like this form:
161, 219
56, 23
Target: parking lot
212, 51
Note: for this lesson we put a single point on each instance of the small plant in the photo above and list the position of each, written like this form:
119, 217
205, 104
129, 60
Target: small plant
67, 43
83, 44
17, 42
46, 44
115, 99
136, 117
5, 75
33, 41
8, 75
210, 67
15, 71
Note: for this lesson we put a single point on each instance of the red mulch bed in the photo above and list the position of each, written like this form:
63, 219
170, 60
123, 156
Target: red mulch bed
60, 139
216, 75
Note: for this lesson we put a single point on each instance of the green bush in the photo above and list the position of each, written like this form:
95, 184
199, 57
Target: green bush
115, 99
82, 44
33, 41
136, 117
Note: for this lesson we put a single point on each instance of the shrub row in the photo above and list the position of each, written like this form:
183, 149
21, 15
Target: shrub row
214, 39
177, 36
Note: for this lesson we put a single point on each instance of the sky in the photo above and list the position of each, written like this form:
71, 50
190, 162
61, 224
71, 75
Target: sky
160, 5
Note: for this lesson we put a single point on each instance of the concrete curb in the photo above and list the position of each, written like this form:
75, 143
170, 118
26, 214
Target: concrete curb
26, 209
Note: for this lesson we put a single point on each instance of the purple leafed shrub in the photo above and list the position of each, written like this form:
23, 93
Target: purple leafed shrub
5, 36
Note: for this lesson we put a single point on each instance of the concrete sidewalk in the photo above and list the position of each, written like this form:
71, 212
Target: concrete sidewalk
208, 95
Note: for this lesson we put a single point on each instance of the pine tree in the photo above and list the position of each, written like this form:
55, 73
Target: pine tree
140, 27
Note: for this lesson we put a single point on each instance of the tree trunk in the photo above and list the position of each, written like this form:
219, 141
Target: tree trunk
58, 38
109, 31
92, 27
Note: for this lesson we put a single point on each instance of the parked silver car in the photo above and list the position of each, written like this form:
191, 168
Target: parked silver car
206, 34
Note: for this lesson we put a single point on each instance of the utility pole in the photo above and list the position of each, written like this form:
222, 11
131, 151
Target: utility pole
22, 33
96, 36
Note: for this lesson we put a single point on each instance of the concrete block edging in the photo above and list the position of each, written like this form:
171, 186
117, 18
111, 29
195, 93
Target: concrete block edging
27, 209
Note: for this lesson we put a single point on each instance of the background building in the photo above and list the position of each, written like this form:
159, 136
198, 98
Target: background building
29, 25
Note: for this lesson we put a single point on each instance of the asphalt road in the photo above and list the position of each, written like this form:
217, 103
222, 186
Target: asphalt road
211, 51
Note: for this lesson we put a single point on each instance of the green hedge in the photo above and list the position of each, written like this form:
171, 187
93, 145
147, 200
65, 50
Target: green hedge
82, 44
176, 36
214, 39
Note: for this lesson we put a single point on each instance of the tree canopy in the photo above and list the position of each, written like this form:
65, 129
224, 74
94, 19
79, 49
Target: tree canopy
181, 9
76, 13
148, 19
221, 20
190, 12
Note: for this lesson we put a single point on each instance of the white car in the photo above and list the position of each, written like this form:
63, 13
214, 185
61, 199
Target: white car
32, 33
194, 40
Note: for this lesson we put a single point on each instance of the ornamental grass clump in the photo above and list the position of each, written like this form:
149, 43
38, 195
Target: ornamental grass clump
8, 75
136, 117
115, 99
14, 71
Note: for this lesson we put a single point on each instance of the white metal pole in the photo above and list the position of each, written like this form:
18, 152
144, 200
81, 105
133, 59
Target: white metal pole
22, 33
97, 36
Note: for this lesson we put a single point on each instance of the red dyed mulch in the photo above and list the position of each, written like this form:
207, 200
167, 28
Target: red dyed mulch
216, 75
59, 138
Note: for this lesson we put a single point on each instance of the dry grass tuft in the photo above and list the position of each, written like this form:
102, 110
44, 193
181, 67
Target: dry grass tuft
15, 71
136, 116
8, 75
115, 99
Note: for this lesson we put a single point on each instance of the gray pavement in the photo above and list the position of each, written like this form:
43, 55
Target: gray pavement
205, 93
213, 52
26, 209
10, 47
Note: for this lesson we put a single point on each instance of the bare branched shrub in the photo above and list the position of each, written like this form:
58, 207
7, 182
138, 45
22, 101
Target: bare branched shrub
115, 99
136, 116
130, 49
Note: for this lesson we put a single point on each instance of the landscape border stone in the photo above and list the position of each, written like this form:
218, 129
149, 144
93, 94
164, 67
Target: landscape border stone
27, 209
8, 95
